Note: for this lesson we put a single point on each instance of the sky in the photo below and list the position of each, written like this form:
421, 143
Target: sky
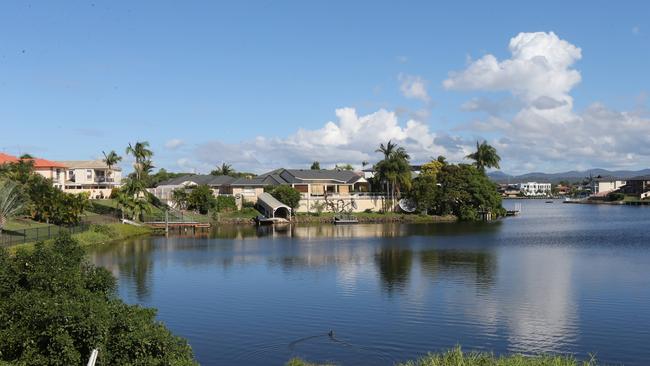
554, 85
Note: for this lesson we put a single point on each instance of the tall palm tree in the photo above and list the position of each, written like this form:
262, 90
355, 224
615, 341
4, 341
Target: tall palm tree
224, 169
141, 153
394, 170
11, 201
485, 156
111, 159
386, 150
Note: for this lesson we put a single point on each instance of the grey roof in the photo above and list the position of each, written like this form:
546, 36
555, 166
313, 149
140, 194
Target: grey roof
211, 180
288, 176
640, 177
88, 164
607, 178
261, 181
271, 201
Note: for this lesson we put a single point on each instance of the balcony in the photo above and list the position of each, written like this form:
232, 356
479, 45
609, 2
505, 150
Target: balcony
351, 195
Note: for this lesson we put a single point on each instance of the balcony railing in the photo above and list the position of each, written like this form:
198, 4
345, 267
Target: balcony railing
354, 195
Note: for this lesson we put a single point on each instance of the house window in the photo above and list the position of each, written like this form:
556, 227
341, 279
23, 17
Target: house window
89, 174
58, 174
248, 191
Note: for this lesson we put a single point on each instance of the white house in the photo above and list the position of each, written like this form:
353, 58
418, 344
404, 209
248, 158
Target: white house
92, 176
604, 185
534, 188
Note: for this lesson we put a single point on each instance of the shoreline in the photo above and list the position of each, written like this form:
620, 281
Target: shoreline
362, 217
99, 235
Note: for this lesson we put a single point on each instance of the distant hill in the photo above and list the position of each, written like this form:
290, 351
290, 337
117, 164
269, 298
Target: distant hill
571, 176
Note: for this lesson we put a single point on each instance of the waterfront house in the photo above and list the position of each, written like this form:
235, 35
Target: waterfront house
49, 169
317, 187
91, 176
601, 186
638, 186
534, 188
220, 184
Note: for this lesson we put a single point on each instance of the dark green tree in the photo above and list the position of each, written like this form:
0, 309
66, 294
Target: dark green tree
56, 308
224, 169
201, 199
465, 191
287, 195
315, 166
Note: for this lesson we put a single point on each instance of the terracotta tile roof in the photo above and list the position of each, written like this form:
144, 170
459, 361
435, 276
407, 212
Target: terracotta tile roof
38, 163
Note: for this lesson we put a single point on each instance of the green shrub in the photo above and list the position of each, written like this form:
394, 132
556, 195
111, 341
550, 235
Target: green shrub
103, 229
226, 204
56, 308
248, 204
615, 196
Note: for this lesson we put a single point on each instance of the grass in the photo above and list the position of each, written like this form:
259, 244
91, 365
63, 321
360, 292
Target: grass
456, 357
98, 234
23, 223
245, 213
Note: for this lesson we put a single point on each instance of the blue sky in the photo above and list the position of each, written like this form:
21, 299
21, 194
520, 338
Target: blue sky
256, 83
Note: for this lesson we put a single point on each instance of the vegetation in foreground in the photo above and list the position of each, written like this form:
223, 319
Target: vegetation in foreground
56, 308
456, 357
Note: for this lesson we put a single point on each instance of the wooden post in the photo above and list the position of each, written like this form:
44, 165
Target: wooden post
166, 222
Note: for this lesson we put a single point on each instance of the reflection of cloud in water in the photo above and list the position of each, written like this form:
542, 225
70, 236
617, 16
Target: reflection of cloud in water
534, 302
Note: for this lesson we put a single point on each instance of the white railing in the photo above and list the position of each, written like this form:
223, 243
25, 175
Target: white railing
351, 195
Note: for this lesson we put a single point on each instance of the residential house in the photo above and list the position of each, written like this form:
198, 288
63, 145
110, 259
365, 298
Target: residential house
49, 169
317, 187
534, 188
638, 186
508, 190
220, 184
601, 186
91, 176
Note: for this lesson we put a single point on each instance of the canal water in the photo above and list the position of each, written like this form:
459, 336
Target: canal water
559, 278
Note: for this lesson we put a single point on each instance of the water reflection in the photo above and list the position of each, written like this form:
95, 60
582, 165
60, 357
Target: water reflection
133, 262
477, 267
558, 278
394, 265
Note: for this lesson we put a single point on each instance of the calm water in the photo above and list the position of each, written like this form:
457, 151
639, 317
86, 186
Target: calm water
559, 278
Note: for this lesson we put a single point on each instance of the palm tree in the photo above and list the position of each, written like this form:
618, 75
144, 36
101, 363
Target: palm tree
141, 153
394, 170
224, 169
485, 156
11, 201
111, 159
386, 150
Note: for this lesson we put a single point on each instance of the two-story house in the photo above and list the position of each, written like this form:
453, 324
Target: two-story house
92, 176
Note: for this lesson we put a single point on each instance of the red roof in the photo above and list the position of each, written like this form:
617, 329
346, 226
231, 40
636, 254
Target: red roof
38, 163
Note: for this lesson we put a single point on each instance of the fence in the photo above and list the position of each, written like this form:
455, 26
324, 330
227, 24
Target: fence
13, 237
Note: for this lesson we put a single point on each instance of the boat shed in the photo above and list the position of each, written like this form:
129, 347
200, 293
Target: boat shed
272, 207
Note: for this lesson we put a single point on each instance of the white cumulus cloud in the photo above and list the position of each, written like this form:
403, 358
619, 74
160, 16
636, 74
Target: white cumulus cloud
413, 87
351, 138
546, 132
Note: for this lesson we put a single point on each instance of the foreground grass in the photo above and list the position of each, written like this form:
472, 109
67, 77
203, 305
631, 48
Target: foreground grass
456, 357
98, 234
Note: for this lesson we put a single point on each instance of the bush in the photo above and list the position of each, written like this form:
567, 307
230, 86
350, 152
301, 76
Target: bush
287, 195
201, 199
103, 229
114, 193
368, 210
248, 204
226, 203
56, 308
615, 196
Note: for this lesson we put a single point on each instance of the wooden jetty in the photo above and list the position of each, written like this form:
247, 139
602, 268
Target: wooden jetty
345, 220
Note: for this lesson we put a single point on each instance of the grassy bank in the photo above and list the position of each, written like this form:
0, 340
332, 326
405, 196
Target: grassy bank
98, 234
456, 357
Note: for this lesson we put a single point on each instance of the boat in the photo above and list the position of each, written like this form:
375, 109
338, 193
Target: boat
549, 201
345, 219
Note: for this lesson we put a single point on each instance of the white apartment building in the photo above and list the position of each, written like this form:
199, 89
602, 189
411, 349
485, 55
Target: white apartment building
534, 188
92, 176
